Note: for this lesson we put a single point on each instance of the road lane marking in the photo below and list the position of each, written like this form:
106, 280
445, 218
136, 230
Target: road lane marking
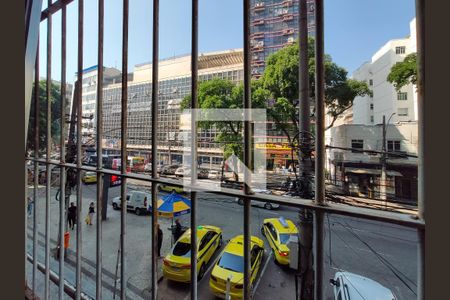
262, 273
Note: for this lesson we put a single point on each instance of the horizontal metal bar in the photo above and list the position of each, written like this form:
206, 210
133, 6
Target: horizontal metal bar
55, 7
333, 208
69, 289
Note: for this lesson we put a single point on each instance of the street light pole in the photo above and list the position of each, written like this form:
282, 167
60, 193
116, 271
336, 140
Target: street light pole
383, 161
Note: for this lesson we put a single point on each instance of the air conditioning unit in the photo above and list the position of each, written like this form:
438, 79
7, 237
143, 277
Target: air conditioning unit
290, 40
259, 5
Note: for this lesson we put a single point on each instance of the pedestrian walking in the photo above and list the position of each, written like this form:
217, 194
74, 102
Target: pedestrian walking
177, 230
30, 203
72, 215
159, 237
91, 213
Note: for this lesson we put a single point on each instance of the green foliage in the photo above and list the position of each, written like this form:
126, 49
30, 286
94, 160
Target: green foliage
223, 94
404, 72
55, 98
280, 78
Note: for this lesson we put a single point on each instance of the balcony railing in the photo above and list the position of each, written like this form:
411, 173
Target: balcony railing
319, 206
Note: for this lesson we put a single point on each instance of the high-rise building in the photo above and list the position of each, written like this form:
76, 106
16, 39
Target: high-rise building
274, 25
89, 95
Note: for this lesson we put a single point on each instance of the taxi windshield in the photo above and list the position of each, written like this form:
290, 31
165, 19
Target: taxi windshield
284, 237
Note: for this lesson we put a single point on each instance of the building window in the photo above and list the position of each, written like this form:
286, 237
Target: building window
371, 106
402, 96
400, 50
370, 82
371, 119
357, 145
393, 146
402, 112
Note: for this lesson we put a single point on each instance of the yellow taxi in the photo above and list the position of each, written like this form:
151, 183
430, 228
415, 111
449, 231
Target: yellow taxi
277, 232
89, 177
177, 264
170, 188
231, 265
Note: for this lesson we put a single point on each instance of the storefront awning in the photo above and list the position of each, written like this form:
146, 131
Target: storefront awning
371, 171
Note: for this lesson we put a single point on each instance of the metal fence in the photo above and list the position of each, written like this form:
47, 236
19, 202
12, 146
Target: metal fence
319, 206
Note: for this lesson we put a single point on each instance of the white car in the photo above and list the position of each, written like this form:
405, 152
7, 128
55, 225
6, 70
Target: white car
182, 171
137, 201
266, 205
214, 174
349, 286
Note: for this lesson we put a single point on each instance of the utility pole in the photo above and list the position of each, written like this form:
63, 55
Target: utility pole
383, 161
306, 272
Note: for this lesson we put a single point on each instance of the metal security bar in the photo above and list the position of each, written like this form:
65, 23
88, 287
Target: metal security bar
318, 206
100, 199
194, 105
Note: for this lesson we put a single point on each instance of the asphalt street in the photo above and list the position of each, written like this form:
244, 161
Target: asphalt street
383, 252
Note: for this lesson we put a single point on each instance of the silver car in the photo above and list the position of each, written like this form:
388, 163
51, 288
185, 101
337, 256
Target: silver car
266, 205
349, 286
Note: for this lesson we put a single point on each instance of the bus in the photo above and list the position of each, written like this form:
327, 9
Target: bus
134, 164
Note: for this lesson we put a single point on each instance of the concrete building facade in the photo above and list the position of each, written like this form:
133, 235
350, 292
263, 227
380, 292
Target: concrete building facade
386, 100
89, 96
174, 85
358, 173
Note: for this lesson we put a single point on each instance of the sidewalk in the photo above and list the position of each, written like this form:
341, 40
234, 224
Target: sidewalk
335, 194
137, 245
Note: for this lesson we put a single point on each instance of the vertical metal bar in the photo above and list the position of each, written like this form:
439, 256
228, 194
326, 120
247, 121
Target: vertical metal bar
154, 116
304, 111
194, 161
36, 164
247, 149
124, 132
320, 106
320, 150
420, 31
49, 148
98, 273
62, 146
79, 85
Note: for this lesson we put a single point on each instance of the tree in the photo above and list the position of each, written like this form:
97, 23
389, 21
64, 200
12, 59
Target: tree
223, 94
404, 72
281, 79
55, 98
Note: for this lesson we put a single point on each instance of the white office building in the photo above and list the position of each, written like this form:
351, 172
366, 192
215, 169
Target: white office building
89, 96
386, 100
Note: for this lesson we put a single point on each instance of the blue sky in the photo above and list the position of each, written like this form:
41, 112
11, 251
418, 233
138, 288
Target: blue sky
354, 30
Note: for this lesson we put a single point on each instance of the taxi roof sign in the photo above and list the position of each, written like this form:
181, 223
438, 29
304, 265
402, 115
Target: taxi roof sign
283, 222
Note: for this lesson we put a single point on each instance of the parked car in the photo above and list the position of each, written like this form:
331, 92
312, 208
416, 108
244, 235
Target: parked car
177, 264
278, 231
148, 168
169, 170
349, 286
214, 174
89, 177
231, 265
169, 188
137, 201
203, 173
182, 171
